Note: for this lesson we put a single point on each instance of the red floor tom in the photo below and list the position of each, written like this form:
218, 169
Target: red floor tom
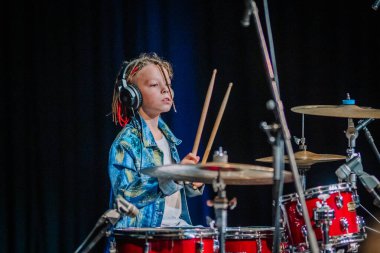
346, 227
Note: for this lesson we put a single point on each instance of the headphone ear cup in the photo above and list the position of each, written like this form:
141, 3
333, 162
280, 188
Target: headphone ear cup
130, 96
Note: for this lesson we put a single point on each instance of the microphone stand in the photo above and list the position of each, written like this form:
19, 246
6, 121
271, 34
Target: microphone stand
108, 219
285, 134
371, 143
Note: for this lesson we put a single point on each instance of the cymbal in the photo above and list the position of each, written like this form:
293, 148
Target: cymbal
343, 111
231, 173
306, 158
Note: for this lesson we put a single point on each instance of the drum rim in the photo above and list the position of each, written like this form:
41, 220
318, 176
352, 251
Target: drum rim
165, 232
315, 191
250, 232
341, 240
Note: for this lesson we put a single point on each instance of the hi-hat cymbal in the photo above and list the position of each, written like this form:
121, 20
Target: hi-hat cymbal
306, 158
342, 111
231, 173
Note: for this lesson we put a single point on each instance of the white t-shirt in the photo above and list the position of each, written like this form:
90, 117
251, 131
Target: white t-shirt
173, 208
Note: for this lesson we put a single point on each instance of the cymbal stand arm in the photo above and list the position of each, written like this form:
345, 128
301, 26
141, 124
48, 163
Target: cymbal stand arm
280, 116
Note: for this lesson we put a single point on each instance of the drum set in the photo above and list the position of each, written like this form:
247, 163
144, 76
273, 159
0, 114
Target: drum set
332, 208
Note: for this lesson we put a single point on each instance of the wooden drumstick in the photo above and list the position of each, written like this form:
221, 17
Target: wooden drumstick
216, 125
204, 113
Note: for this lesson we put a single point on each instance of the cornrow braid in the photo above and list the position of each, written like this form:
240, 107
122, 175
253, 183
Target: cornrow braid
121, 114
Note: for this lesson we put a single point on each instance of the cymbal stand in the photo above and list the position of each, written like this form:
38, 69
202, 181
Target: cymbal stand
220, 204
220, 201
351, 135
351, 132
278, 176
280, 116
301, 142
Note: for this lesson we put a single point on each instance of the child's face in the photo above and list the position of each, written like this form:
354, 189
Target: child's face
155, 93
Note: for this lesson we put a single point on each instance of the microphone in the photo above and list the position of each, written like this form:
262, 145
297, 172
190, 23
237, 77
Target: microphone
363, 123
126, 208
344, 171
376, 5
369, 182
245, 21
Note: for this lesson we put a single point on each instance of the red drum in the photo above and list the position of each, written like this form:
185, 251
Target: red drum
250, 239
346, 227
166, 240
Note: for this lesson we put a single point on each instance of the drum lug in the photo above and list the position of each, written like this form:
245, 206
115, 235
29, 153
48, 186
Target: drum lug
304, 231
199, 246
299, 208
259, 246
112, 248
361, 223
356, 199
146, 247
344, 223
216, 246
339, 201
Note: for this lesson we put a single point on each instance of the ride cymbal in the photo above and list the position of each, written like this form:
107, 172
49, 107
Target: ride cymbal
231, 173
306, 158
342, 111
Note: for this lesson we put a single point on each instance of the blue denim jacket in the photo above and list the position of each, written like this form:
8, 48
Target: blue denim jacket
130, 153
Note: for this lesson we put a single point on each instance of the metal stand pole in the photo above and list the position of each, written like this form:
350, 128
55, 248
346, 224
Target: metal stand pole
278, 178
280, 117
220, 207
372, 143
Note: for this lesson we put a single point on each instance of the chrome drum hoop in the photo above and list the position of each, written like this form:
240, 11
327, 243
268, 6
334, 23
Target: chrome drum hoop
166, 233
239, 233
333, 188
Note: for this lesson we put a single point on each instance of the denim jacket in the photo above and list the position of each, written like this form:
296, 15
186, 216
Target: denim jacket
133, 150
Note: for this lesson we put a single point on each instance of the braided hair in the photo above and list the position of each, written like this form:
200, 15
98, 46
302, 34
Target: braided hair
121, 114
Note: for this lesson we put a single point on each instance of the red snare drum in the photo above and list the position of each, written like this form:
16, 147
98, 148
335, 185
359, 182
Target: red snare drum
250, 239
345, 228
166, 240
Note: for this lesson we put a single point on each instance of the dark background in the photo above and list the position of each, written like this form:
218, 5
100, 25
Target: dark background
59, 60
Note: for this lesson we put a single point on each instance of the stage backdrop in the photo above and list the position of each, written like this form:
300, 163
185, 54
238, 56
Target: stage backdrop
59, 60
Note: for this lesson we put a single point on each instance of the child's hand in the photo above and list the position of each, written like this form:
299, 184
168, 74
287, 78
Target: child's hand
190, 159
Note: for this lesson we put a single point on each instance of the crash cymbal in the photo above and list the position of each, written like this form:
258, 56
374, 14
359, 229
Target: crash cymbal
231, 173
343, 111
306, 158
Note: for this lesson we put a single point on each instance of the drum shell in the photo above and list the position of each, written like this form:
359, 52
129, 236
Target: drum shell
344, 213
166, 240
251, 239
